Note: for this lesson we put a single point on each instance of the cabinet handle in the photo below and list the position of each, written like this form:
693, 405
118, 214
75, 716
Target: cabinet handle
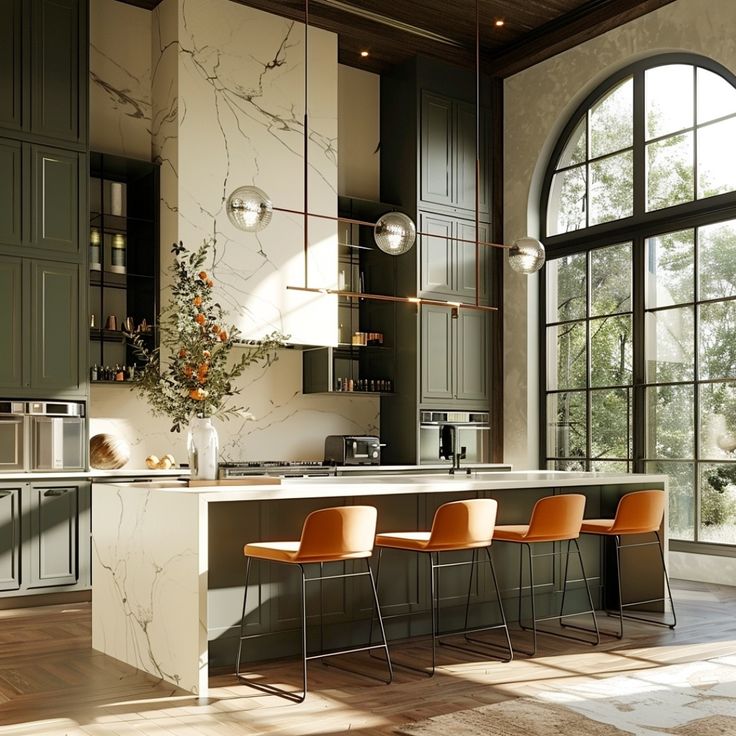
55, 492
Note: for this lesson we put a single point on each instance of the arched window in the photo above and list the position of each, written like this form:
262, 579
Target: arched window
639, 219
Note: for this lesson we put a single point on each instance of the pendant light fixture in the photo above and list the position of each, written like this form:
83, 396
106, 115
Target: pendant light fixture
250, 209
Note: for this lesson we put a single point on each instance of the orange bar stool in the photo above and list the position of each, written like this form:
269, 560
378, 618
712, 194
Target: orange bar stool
553, 519
328, 535
639, 512
457, 526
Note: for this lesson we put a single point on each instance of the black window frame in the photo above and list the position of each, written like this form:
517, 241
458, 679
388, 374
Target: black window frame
636, 229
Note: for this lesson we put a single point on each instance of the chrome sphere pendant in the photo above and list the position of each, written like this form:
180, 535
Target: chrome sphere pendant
526, 255
394, 233
249, 209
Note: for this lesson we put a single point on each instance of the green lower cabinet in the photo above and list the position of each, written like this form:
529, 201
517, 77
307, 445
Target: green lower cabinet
54, 539
10, 537
11, 326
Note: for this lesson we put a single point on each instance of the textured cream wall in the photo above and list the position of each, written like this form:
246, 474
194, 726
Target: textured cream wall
538, 103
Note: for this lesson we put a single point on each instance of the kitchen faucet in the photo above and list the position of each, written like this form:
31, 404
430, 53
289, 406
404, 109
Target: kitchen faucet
448, 448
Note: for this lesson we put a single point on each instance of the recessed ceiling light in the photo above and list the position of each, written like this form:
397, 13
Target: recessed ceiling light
499, 22
364, 53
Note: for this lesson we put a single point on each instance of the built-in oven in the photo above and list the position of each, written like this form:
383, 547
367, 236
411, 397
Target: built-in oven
469, 429
13, 439
57, 434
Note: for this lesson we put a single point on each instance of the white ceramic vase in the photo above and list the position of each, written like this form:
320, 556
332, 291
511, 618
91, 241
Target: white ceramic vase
203, 446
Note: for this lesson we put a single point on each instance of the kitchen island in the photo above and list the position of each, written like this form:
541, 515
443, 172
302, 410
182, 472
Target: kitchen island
168, 562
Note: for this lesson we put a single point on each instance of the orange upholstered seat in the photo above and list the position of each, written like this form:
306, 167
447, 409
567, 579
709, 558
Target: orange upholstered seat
328, 535
456, 525
554, 519
640, 512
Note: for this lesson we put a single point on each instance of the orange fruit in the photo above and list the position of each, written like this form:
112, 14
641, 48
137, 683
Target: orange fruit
203, 275
197, 301
197, 394
223, 335
183, 353
210, 283
199, 319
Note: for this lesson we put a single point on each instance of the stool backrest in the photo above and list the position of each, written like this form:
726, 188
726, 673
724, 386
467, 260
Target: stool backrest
344, 530
461, 524
639, 512
557, 517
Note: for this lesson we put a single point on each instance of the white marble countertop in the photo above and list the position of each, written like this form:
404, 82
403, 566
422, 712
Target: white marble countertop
484, 467
95, 474
383, 484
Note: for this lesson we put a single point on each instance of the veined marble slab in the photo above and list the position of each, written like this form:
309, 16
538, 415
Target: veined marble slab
150, 557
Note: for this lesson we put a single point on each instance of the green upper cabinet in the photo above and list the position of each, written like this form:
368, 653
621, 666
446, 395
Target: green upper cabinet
43, 69
55, 326
42, 308
11, 307
447, 155
55, 211
11, 62
58, 72
11, 199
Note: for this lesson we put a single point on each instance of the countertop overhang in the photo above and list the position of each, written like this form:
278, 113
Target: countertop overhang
384, 484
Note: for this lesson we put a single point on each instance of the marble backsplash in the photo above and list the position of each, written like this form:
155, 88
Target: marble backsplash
288, 425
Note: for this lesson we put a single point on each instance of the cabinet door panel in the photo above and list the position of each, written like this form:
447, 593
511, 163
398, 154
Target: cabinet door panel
465, 157
436, 149
54, 539
465, 260
55, 199
55, 325
437, 353
55, 85
10, 64
10, 192
436, 254
11, 307
9, 538
472, 355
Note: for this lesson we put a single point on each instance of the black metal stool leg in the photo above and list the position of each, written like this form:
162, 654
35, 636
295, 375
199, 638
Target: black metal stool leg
380, 624
264, 687
242, 617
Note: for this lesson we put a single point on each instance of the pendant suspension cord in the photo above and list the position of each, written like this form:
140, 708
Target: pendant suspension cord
306, 143
477, 152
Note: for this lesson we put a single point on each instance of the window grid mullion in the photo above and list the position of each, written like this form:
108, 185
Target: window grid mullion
696, 383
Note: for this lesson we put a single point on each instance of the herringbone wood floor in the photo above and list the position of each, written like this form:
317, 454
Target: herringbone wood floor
53, 683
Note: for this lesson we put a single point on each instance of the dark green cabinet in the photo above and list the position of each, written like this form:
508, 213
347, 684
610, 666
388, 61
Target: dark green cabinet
11, 326
43, 69
54, 535
11, 63
447, 257
55, 326
56, 82
55, 210
437, 359
39, 336
448, 151
10, 537
11, 195
455, 359
40, 192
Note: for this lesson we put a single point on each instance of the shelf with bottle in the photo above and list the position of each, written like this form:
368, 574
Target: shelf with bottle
383, 386
116, 374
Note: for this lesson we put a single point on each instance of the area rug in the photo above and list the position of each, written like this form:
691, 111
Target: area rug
694, 699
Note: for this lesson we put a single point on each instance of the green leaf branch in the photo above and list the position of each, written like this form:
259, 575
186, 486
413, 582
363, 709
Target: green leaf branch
198, 376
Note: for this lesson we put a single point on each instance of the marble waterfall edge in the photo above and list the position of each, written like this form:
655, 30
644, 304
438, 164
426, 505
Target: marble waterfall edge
148, 577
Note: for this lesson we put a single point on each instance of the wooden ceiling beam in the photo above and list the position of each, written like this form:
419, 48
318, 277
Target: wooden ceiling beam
591, 20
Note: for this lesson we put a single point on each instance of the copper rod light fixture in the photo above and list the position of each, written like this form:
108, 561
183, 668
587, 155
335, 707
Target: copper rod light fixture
250, 209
